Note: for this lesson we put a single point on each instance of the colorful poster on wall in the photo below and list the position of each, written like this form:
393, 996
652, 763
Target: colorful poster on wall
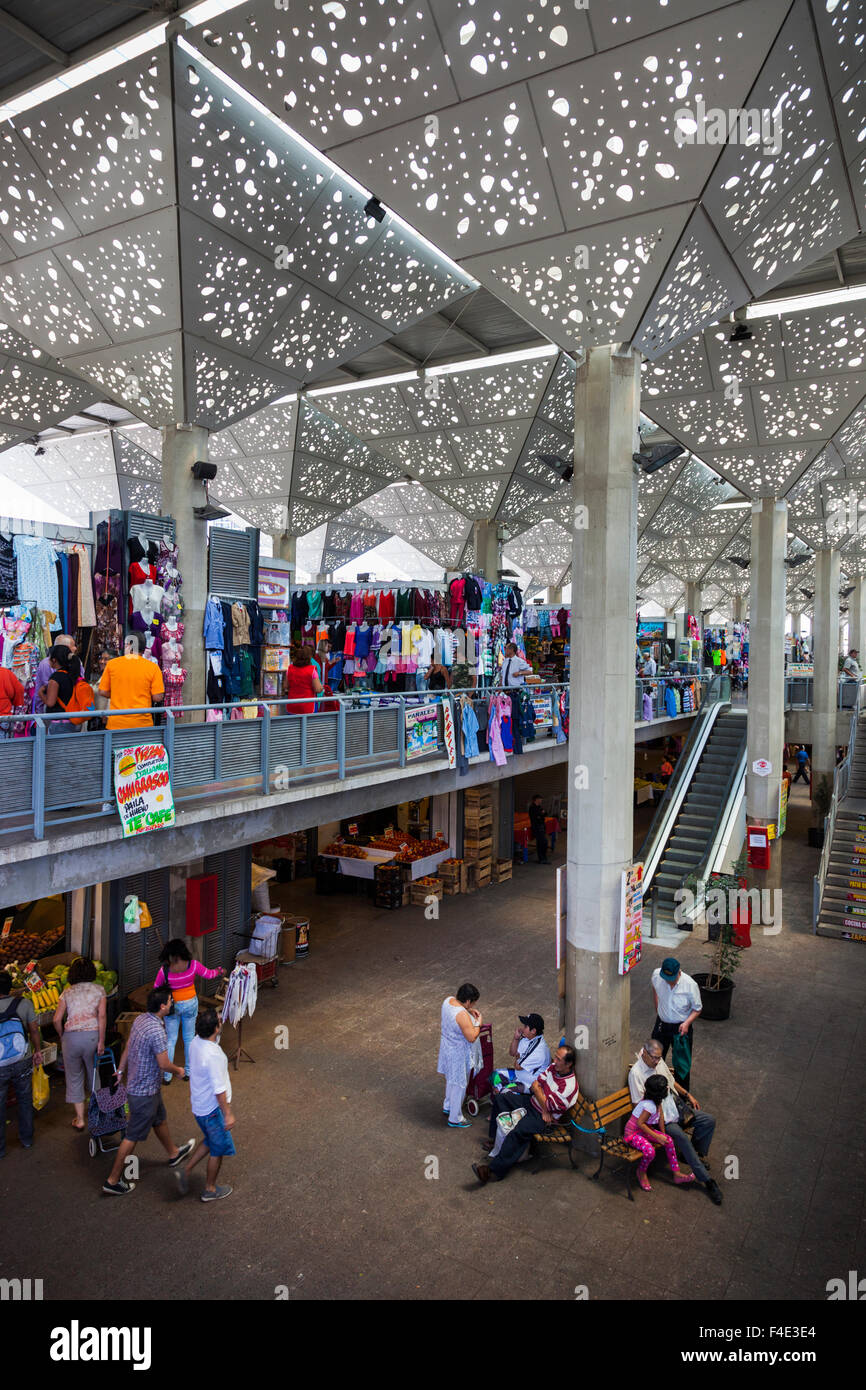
274, 587
448, 730
631, 918
541, 711
143, 788
422, 730
783, 806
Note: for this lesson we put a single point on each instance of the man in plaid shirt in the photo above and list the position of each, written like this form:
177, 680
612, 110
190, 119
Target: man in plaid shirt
144, 1060
553, 1092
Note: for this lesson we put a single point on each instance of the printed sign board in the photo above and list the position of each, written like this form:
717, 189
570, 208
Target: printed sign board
142, 787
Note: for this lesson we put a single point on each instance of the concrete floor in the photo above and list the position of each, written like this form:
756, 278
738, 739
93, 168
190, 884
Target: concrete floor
336, 1134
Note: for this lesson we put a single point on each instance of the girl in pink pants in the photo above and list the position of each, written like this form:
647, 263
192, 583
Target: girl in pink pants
645, 1131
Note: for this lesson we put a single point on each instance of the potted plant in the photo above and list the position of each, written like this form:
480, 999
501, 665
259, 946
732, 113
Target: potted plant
822, 797
717, 985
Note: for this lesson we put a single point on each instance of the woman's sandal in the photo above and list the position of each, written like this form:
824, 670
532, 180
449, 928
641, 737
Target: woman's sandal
79, 1127
682, 1178
644, 1182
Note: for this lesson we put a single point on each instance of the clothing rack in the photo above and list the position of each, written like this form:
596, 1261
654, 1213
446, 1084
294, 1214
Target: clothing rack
378, 587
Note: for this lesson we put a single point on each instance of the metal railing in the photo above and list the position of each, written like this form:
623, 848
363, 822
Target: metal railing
841, 778
64, 778
799, 693
655, 687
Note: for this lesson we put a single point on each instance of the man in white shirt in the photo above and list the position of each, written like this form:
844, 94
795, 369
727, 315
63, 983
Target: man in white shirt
514, 668
532, 1055
649, 667
693, 1149
678, 1004
851, 667
552, 1094
210, 1094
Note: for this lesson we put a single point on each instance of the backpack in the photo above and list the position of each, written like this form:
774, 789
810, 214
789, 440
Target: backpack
13, 1035
81, 698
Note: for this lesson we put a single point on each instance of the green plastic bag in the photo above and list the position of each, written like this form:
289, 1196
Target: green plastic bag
681, 1056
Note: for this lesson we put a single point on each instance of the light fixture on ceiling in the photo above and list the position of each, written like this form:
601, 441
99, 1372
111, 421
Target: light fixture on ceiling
820, 299
564, 468
373, 209
655, 456
795, 560
739, 561
730, 506
742, 332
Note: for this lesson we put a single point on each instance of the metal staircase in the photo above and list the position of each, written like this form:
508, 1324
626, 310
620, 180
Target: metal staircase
684, 836
841, 880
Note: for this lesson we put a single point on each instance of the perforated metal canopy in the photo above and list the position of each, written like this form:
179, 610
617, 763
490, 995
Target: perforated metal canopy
572, 158
167, 240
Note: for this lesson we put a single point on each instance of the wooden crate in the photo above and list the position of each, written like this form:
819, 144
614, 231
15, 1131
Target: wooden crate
468, 878
420, 892
502, 870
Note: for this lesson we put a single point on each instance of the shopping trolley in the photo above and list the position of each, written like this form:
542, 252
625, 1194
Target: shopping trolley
107, 1109
480, 1087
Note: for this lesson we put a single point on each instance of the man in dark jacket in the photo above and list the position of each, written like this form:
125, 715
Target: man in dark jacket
538, 823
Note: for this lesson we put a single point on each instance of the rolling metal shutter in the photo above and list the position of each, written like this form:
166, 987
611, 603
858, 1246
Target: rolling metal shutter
154, 527
137, 955
233, 908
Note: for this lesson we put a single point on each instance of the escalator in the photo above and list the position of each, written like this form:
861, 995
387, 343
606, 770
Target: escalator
699, 814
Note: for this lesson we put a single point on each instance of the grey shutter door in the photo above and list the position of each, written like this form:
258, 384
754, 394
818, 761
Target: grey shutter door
233, 908
233, 561
154, 527
137, 955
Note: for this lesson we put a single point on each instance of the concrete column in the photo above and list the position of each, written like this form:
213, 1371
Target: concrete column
285, 546
796, 622
766, 711
601, 743
693, 602
826, 659
181, 448
486, 542
739, 608
857, 614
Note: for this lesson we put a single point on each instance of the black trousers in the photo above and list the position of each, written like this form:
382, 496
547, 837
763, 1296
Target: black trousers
665, 1034
801, 772
502, 1101
541, 846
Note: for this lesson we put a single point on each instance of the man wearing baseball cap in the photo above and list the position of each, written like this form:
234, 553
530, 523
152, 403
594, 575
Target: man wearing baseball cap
510, 1084
678, 1004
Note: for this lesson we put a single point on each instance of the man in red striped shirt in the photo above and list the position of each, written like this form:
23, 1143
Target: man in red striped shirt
553, 1092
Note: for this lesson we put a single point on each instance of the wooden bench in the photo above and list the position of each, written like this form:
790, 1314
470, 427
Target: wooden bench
595, 1117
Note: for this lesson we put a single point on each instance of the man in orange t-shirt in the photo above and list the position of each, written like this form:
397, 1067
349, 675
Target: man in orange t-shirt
132, 682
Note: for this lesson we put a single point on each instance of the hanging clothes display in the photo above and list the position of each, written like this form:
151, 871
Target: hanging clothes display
36, 561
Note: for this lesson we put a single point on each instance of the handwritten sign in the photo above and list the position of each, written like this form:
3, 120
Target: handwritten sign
631, 918
142, 787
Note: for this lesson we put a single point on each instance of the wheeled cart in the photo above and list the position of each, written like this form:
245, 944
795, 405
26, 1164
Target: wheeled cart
102, 1123
480, 1087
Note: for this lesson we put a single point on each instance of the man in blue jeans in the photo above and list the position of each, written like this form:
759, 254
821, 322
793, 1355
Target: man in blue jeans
19, 1049
210, 1094
553, 1092
695, 1150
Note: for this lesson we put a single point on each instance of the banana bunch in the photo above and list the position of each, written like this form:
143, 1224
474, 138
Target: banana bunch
45, 999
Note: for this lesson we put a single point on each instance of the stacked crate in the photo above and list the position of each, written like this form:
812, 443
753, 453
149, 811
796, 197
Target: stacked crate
502, 870
478, 832
388, 886
449, 872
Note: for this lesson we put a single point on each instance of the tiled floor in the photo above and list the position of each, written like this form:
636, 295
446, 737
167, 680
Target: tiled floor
337, 1134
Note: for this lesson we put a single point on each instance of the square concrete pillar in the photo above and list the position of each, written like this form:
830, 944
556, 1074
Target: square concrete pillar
825, 649
601, 742
857, 615
182, 446
766, 716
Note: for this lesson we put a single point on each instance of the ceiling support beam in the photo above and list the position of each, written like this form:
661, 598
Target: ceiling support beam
33, 40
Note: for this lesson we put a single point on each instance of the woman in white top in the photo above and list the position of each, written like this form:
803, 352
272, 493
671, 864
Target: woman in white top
461, 1026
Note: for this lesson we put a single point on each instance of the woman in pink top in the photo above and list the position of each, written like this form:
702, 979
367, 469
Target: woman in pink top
80, 1022
178, 971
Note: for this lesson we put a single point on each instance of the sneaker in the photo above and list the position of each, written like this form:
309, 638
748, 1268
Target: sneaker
713, 1191
217, 1193
182, 1181
167, 1080
459, 1124
183, 1152
118, 1189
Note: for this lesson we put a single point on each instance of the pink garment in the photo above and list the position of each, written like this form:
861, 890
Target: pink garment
356, 608
494, 735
